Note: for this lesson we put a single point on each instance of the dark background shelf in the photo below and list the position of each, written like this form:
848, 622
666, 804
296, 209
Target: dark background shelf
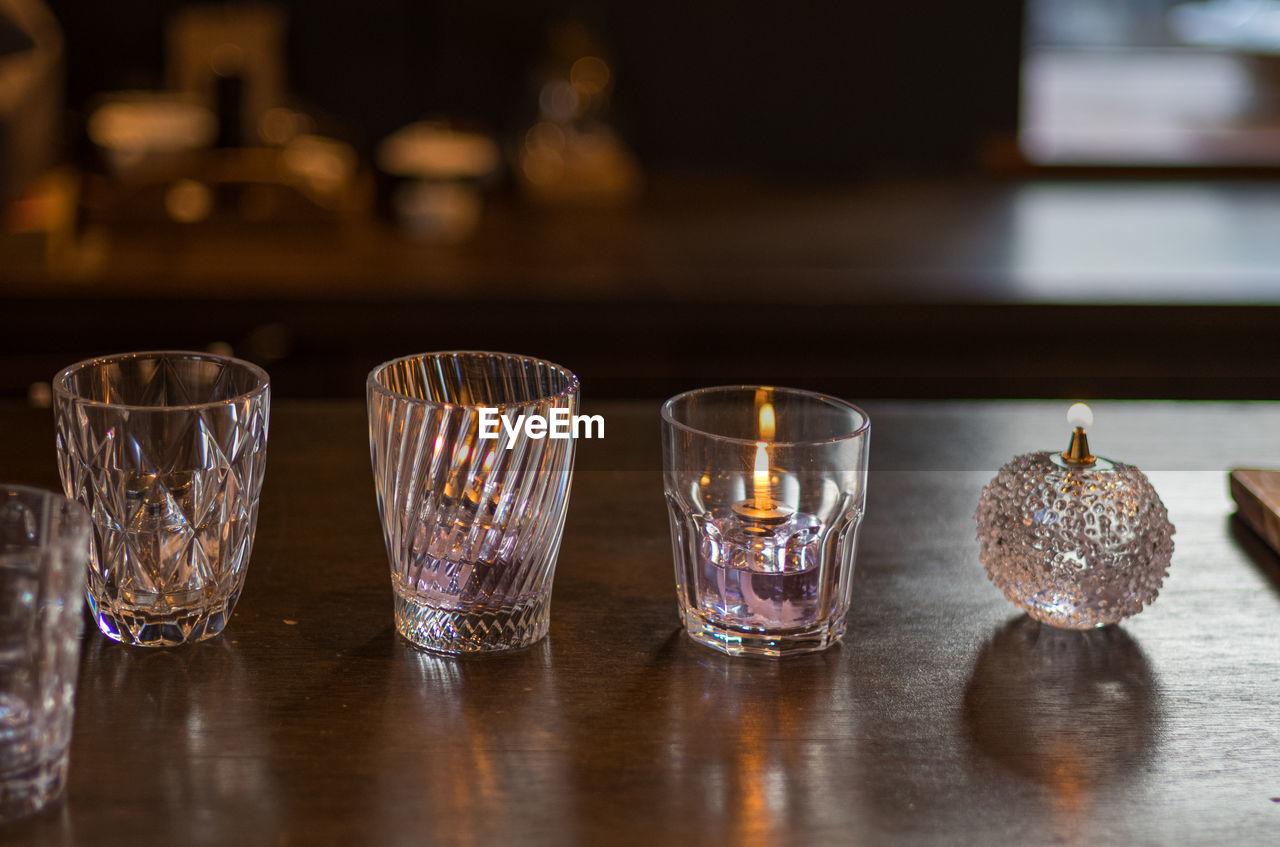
887, 288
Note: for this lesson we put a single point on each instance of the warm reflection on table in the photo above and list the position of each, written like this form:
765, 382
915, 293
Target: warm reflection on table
1073, 711
944, 717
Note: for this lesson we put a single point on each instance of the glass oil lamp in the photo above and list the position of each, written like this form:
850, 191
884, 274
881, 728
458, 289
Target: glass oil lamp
1074, 540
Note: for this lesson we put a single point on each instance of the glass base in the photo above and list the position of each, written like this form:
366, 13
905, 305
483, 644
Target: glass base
27, 791
456, 631
168, 628
775, 644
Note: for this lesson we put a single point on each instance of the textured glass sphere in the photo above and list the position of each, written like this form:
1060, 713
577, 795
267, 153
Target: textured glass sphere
1075, 546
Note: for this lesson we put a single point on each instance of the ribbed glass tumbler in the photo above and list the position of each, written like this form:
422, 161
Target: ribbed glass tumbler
765, 491
44, 544
167, 451
472, 524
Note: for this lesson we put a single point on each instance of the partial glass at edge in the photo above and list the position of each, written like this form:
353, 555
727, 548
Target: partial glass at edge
472, 526
44, 544
783, 585
167, 452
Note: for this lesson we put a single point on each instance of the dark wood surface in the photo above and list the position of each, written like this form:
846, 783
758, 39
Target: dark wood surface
944, 717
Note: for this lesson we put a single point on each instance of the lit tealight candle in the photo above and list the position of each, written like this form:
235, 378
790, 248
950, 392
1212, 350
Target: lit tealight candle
763, 501
767, 421
762, 508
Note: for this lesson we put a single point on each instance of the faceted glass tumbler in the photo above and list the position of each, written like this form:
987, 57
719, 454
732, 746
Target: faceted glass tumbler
44, 545
765, 511
472, 525
167, 451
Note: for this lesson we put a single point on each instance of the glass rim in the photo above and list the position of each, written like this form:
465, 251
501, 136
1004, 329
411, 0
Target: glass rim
50, 496
374, 384
827, 399
23, 488
263, 380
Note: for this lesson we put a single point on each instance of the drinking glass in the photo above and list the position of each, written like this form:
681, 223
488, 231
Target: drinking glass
765, 490
44, 545
472, 525
167, 451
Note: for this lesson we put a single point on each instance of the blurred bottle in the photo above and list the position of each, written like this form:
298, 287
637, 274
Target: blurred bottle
571, 154
437, 174
31, 54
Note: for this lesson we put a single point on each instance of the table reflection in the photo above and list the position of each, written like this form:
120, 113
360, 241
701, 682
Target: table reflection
1070, 710
481, 743
735, 750
193, 720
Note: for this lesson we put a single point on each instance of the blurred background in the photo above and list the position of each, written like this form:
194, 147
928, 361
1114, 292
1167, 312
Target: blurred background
1002, 198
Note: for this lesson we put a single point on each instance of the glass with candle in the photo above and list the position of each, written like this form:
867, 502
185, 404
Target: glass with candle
765, 489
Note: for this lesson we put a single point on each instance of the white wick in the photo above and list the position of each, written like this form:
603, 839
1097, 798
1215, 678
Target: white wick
1080, 415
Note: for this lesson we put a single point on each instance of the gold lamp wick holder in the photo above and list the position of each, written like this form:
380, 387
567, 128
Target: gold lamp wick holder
1077, 452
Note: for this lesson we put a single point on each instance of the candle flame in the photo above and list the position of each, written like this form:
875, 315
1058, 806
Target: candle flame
768, 425
767, 422
762, 500
1080, 415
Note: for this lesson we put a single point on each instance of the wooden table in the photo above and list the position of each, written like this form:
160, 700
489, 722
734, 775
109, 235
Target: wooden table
945, 717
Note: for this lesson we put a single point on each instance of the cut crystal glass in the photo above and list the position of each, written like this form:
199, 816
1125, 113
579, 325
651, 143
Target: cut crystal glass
167, 452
